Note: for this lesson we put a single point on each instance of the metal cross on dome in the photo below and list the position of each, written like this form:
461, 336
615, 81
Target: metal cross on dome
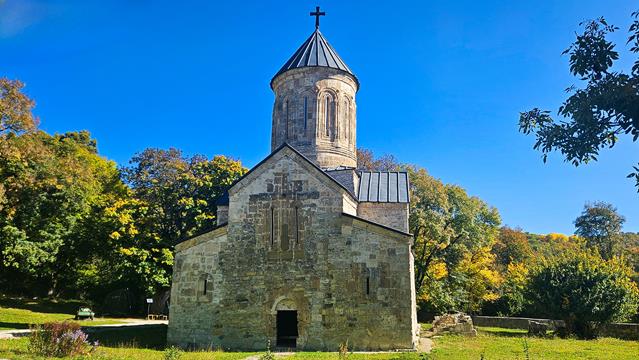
317, 15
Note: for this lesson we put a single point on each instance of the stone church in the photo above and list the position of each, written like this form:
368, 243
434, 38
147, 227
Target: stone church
308, 251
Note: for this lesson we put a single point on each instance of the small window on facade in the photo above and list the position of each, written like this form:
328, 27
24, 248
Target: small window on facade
272, 227
297, 226
368, 285
327, 116
203, 287
347, 120
286, 111
305, 112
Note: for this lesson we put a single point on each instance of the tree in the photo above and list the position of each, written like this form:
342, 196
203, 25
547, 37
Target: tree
583, 290
180, 191
366, 160
69, 224
554, 244
595, 116
49, 184
600, 225
630, 251
511, 299
452, 235
15, 108
512, 246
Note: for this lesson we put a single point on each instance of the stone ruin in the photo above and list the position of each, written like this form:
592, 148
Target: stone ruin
537, 328
459, 323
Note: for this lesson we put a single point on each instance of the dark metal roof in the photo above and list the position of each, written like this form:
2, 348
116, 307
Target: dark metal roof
315, 51
386, 187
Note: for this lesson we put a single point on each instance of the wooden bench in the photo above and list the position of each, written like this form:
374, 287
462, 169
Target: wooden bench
156, 317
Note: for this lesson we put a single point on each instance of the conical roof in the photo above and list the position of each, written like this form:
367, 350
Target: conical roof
315, 51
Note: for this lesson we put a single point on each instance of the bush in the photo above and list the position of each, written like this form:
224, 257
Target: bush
583, 290
268, 355
58, 339
172, 353
343, 351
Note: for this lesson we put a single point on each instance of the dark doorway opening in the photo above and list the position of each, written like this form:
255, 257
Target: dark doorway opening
287, 328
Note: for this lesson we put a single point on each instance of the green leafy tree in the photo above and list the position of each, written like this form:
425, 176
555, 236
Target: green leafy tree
366, 160
600, 225
596, 116
512, 292
554, 243
16, 114
49, 185
452, 233
180, 191
512, 246
70, 226
583, 290
630, 251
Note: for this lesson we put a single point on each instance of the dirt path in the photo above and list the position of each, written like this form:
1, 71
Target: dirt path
277, 355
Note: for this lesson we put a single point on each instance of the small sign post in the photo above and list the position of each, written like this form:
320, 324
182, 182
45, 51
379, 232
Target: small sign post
149, 301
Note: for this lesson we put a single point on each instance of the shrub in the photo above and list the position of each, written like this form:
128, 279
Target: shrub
172, 353
583, 290
268, 355
58, 339
343, 351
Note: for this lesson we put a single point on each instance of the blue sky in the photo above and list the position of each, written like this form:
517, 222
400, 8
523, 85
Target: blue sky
442, 85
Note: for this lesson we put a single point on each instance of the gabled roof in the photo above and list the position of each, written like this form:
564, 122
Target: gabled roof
224, 198
315, 51
383, 187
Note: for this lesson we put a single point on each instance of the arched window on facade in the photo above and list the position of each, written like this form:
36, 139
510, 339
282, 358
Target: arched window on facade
329, 116
306, 114
286, 110
205, 286
346, 119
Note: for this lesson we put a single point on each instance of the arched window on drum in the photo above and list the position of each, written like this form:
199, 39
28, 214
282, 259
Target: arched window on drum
328, 107
345, 119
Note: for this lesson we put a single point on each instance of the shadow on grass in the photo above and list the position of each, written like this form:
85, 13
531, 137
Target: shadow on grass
148, 337
12, 326
49, 306
502, 332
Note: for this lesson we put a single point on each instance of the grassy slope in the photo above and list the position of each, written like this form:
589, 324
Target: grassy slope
492, 343
20, 313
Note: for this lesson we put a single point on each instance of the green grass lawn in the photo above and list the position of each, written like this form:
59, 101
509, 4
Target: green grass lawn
491, 343
18, 313
497, 343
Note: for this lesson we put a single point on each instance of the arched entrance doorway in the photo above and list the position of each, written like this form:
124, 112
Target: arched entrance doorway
286, 323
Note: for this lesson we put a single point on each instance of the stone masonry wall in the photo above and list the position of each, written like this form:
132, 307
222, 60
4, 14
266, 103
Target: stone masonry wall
192, 308
288, 246
393, 215
222, 214
315, 112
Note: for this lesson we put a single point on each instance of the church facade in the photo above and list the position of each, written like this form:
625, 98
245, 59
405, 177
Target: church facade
308, 252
